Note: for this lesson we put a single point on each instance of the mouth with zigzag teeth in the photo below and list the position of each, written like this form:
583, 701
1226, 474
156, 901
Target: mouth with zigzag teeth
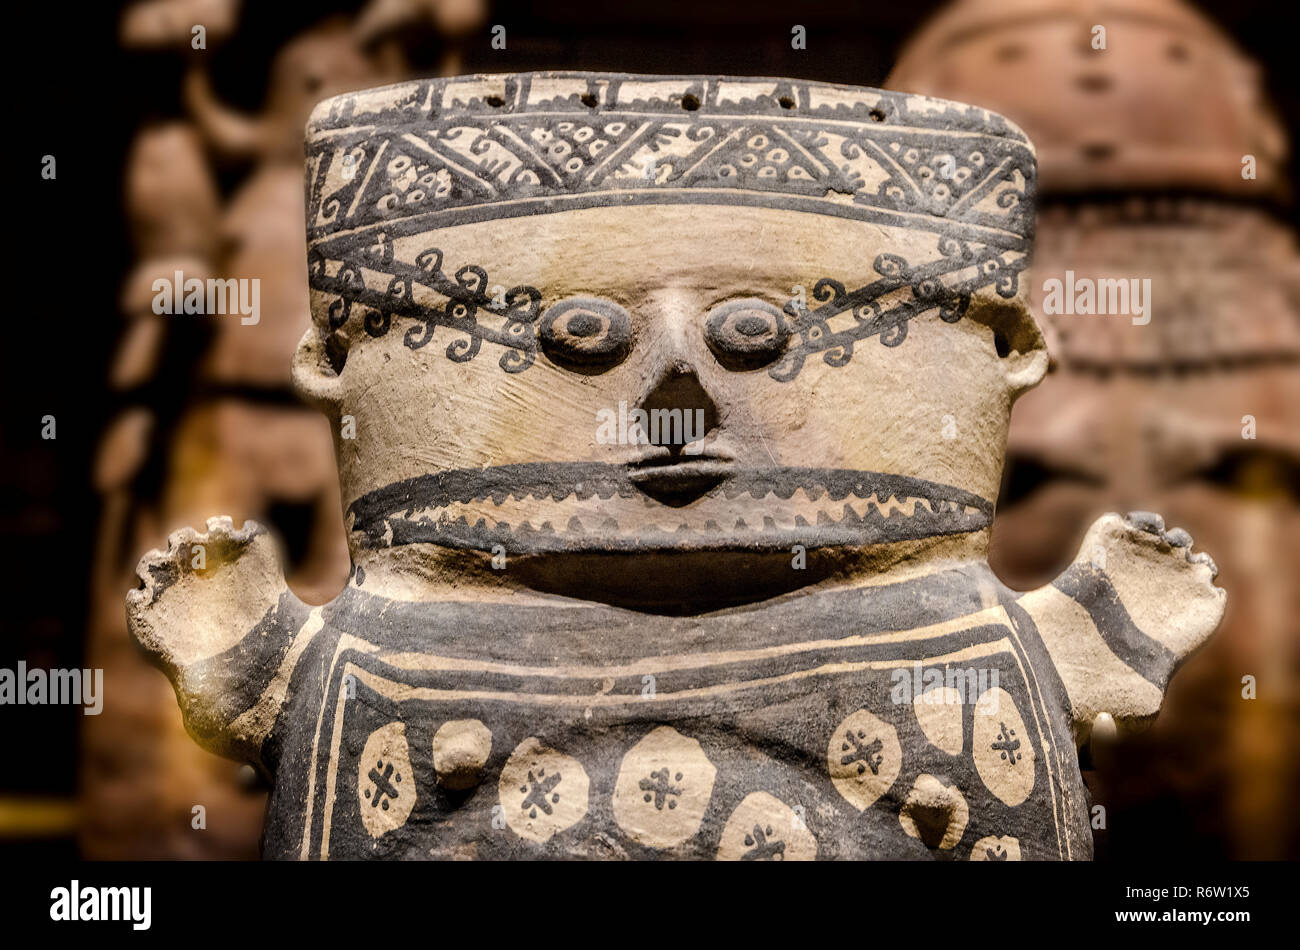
558, 507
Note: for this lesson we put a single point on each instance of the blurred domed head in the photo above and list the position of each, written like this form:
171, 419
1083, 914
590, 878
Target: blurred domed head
1123, 94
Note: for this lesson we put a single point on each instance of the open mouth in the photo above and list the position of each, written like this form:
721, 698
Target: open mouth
550, 507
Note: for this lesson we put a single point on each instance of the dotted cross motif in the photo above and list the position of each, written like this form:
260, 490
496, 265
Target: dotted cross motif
540, 792
385, 786
762, 847
866, 754
1007, 744
996, 853
658, 788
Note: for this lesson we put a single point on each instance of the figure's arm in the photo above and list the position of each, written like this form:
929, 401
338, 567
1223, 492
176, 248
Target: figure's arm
214, 613
1133, 605
229, 132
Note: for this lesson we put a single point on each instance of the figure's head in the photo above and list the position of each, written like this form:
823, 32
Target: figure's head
585, 314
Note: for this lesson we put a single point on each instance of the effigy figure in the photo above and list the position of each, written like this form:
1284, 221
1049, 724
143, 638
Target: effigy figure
670, 415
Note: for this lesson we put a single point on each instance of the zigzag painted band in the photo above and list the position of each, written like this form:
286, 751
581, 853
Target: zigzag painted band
563, 510
436, 153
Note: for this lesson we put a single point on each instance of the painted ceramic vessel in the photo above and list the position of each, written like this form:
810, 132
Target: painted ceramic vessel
670, 415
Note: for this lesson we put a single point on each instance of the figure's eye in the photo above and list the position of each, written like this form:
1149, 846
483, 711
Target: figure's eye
586, 333
746, 334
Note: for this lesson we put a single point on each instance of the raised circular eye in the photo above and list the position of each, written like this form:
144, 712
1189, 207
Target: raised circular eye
586, 333
746, 334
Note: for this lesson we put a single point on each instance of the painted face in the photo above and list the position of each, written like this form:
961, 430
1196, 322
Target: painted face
698, 375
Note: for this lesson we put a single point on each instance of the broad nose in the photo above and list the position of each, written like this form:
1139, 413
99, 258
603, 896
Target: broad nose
678, 407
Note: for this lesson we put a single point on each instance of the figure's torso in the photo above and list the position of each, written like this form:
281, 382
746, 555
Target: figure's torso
802, 728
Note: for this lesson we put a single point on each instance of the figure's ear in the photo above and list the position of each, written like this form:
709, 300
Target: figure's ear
316, 372
1016, 336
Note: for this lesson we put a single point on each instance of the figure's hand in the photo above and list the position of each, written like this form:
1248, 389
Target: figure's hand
214, 613
1133, 605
